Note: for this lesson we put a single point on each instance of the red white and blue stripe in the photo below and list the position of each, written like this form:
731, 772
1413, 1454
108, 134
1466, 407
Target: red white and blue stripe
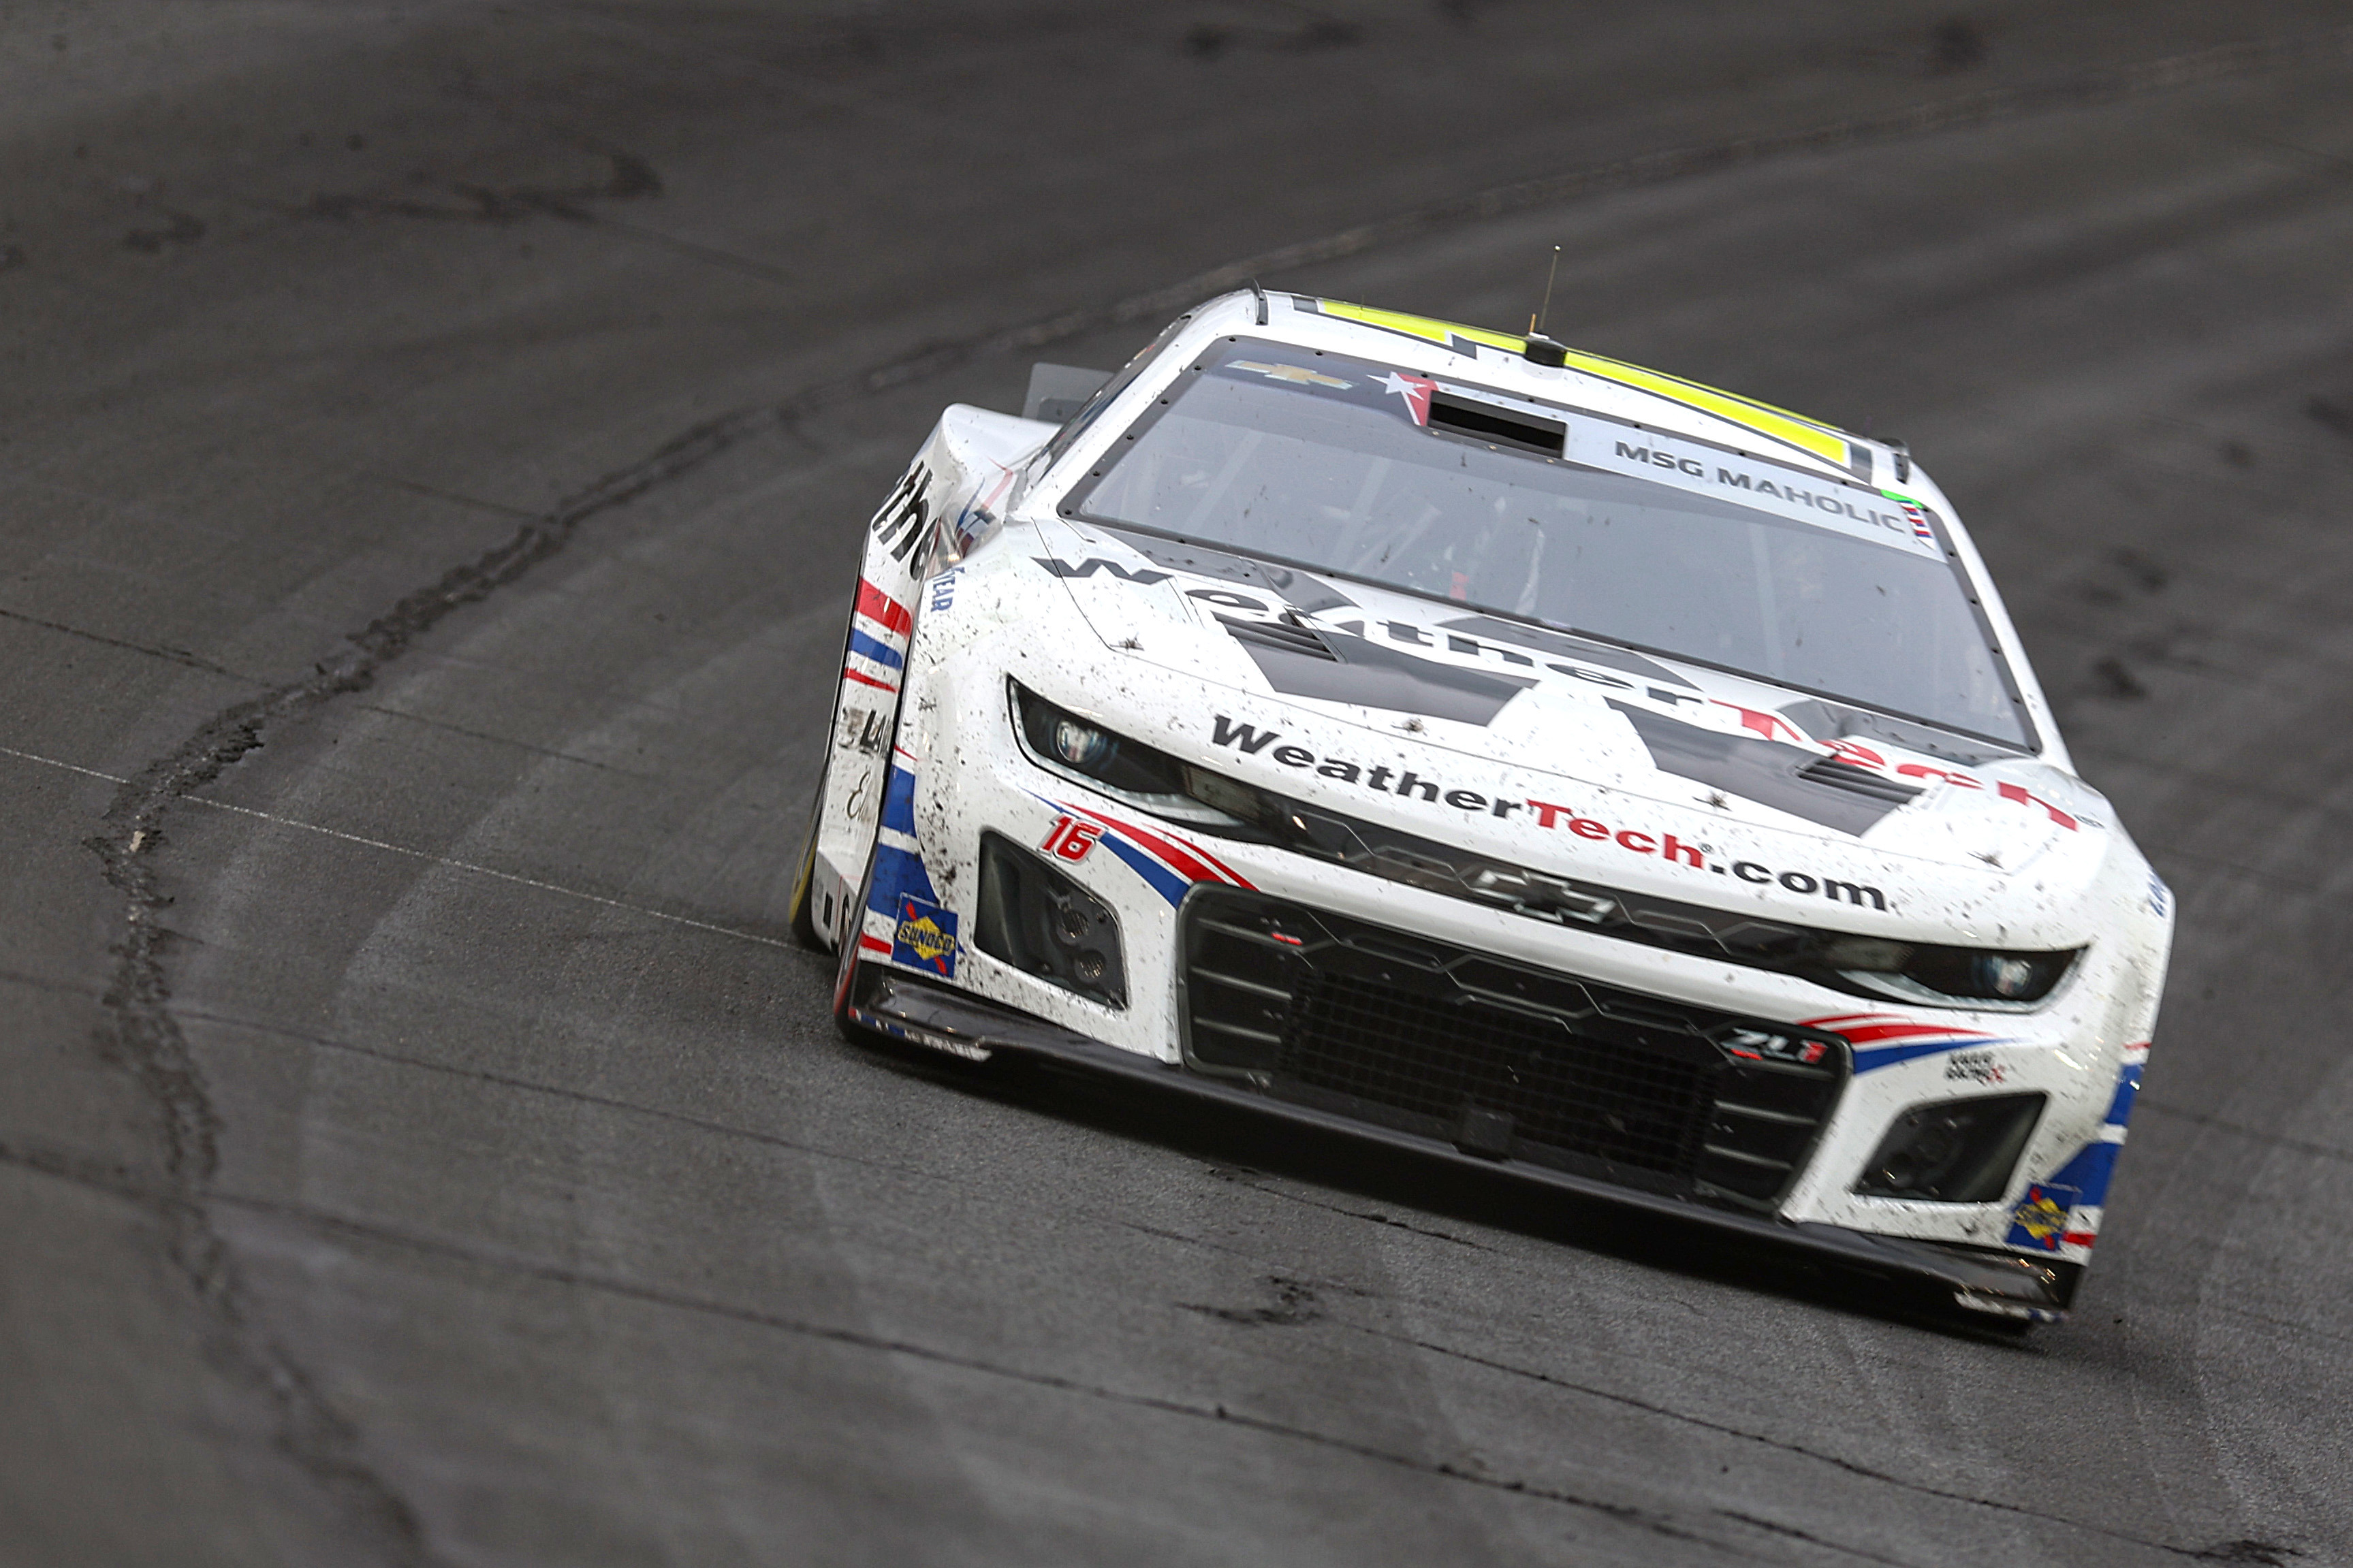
879, 630
1882, 1039
2091, 1168
1168, 865
899, 868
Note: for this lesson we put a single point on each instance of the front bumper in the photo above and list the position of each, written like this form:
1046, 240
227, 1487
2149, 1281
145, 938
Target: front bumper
959, 775
904, 1006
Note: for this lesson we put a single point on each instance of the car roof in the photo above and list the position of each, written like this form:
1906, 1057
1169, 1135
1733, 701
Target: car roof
1500, 360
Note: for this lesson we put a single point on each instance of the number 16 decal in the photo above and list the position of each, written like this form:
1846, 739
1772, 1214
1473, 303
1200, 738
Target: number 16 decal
1070, 838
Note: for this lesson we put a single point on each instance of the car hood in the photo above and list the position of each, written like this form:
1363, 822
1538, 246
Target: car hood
1492, 707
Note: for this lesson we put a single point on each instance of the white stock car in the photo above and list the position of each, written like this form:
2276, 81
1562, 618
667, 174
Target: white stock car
1506, 753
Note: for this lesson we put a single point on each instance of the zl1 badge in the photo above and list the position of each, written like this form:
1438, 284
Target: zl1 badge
925, 938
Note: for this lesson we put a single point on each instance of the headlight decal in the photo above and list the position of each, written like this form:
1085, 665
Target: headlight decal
1168, 864
1884, 1039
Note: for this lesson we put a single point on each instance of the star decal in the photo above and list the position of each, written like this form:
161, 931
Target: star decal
1415, 390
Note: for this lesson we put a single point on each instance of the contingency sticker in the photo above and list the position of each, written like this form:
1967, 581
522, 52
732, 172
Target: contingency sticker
925, 937
2040, 1218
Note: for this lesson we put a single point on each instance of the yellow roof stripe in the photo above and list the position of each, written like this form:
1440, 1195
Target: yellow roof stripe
1761, 417
1442, 334
1779, 424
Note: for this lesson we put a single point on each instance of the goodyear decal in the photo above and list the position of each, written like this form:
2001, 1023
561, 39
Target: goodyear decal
1882, 1039
924, 937
1775, 424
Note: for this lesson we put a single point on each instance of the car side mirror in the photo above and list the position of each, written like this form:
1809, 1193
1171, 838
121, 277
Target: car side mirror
1059, 391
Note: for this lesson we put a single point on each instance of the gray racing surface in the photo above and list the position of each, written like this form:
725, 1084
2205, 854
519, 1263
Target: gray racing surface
433, 443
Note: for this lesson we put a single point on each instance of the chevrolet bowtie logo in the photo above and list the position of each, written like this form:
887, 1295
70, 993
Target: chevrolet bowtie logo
1296, 374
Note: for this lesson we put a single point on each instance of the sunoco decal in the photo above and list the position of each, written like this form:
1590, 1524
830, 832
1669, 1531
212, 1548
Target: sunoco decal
925, 937
2040, 1218
2065, 1208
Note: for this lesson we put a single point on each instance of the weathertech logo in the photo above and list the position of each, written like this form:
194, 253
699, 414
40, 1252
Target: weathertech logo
1410, 785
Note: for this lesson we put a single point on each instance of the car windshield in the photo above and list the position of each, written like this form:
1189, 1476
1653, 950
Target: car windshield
1357, 469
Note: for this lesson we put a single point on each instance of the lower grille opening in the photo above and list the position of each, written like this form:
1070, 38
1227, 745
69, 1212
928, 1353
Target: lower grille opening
1396, 1048
1502, 1059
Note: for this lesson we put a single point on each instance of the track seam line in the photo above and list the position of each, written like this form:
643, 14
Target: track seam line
753, 1136
860, 1339
554, 1273
1851, 1466
425, 855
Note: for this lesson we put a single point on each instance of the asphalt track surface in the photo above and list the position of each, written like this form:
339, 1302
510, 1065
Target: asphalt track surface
433, 440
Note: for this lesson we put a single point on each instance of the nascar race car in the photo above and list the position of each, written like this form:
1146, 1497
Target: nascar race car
1506, 752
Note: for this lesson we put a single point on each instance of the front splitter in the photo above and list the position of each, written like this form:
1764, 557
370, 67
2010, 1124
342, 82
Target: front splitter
905, 1007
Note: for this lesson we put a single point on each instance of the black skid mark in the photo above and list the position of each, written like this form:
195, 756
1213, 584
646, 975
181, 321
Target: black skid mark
629, 178
2331, 415
1294, 1306
183, 229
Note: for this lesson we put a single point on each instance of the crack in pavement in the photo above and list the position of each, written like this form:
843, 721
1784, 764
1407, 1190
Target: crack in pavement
1794, 1533
148, 838
146, 1037
142, 1033
508, 742
1295, 1305
631, 179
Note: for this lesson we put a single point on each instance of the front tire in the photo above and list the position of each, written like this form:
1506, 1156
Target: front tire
801, 915
846, 971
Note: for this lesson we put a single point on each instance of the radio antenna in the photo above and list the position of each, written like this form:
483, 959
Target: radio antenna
1536, 321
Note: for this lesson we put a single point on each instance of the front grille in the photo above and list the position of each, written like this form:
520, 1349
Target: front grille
1500, 1058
